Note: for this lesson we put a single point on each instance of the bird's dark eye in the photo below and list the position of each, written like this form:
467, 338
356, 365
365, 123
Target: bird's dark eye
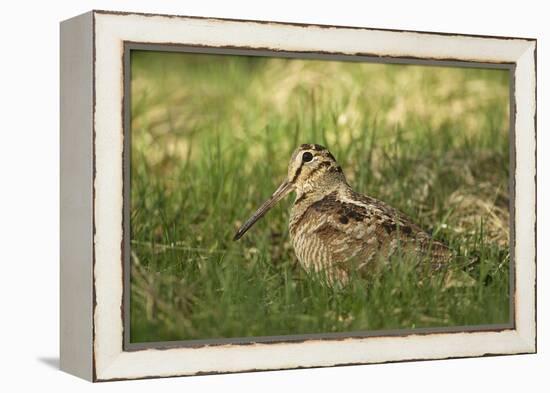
307, 157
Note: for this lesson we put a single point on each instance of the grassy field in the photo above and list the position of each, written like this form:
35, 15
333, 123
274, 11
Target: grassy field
211, 139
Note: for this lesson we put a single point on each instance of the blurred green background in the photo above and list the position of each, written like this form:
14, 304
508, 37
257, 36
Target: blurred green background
211, 139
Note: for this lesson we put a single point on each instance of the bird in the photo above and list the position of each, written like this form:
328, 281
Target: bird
334, 229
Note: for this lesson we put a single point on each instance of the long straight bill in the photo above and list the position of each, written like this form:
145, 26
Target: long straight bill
279, 194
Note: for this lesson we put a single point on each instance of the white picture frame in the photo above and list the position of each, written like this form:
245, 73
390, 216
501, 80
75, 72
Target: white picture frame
92, 194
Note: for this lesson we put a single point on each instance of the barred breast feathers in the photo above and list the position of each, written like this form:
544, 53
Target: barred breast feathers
351, 225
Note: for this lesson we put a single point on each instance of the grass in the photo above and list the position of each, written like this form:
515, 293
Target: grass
211, 139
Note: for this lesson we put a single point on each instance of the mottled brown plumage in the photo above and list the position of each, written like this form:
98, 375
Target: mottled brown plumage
334, 229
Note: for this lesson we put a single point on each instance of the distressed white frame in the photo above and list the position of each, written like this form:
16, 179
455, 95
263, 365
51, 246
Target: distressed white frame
108, 359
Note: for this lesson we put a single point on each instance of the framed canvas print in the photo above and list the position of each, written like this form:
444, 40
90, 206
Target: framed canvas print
245, 195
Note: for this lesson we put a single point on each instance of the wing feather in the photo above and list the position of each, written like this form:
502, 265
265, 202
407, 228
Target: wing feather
367, 230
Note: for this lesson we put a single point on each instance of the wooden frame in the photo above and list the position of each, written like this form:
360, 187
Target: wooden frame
93, 157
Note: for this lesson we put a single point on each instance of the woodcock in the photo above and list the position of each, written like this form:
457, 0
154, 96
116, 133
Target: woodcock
334, 229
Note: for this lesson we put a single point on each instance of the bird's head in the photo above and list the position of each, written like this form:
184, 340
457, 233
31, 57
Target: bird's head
312, 169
